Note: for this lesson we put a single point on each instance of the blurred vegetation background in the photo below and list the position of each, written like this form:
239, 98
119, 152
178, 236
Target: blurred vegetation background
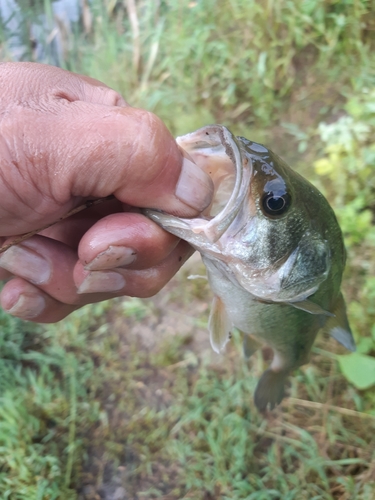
124, 400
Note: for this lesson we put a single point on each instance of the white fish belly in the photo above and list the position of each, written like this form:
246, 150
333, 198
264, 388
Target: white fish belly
280, 326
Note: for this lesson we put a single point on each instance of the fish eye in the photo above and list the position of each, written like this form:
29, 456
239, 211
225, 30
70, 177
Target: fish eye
275, 205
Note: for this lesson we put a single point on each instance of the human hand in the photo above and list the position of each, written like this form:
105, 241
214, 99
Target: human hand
66, 138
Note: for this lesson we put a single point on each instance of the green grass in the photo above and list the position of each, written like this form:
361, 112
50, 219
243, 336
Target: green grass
172, 421
43, 377
127, 393
237, 64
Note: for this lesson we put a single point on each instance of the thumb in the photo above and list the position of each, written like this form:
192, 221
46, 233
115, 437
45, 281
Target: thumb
130, 153
64, 137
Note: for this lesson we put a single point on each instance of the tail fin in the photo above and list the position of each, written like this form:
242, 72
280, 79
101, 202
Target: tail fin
270, 390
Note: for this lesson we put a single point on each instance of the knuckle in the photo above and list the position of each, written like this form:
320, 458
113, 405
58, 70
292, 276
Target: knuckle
113, 98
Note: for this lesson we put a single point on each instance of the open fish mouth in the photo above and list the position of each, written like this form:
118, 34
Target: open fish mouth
216, 150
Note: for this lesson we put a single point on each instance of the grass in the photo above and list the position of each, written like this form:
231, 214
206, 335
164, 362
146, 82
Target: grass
127, 394
235, 64
97, 404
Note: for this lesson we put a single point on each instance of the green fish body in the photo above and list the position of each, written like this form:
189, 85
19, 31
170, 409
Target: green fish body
274, 255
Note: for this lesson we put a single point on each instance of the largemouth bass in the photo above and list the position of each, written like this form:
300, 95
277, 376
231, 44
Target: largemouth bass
274, 255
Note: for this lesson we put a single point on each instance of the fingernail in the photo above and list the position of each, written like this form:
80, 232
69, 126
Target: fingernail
26, 263
194, 187
99, 281
28, 306
114, 256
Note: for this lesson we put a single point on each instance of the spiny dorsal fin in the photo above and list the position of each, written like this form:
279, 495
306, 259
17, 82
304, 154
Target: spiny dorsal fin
219, 325
310, 307
338, 326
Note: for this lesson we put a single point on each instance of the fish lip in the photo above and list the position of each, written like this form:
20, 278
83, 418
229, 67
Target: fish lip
213, 136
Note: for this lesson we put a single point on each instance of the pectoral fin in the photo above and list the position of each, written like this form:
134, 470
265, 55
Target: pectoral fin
310, 307
338, 326
219, 325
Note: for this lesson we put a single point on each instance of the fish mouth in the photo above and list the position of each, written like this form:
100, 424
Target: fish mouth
216, 151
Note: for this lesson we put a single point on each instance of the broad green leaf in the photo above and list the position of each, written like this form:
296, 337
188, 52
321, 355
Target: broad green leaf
358, 369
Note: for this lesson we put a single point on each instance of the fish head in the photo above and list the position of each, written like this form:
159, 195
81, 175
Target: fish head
268, 230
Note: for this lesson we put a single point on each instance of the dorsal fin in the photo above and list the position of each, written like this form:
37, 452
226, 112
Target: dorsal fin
338, 326
219, 325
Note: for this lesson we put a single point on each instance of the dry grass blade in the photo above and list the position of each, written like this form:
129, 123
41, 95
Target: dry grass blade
134, 22
86, 17
322, 406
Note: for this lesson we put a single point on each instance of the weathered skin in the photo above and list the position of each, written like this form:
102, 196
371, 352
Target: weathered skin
274, 255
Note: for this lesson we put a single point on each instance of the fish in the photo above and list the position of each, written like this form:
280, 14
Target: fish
273, 252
